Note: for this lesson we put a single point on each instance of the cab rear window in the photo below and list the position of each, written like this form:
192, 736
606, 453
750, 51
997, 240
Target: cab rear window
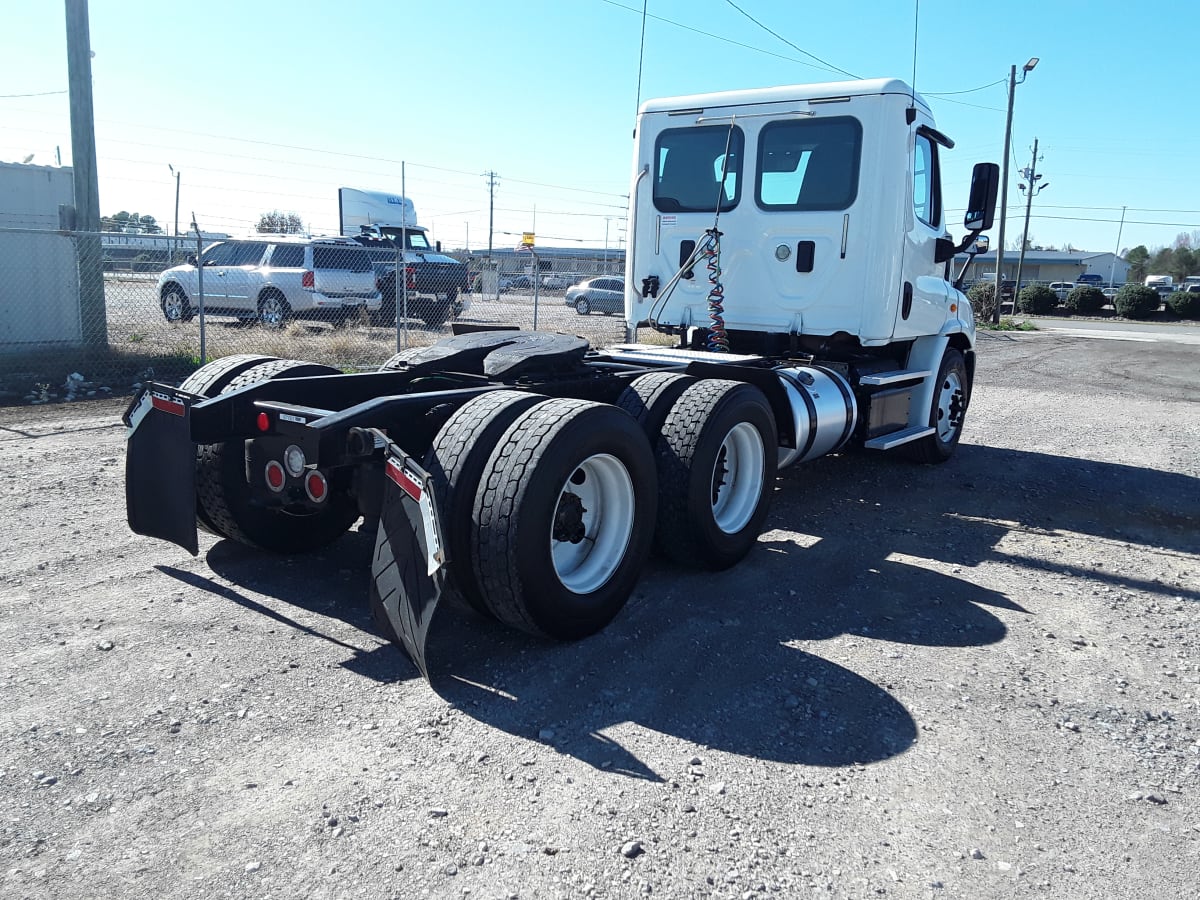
698, 169
354, 259
809, 164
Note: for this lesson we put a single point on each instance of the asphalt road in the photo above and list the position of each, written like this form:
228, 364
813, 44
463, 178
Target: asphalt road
975, 680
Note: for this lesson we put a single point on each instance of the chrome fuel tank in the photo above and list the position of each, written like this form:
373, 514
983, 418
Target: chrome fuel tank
824, 411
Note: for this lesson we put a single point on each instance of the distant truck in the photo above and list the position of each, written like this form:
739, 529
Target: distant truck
1164, 284
386, 224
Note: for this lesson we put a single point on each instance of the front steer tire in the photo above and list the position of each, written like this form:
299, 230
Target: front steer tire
951, 394
224, 497
567, 500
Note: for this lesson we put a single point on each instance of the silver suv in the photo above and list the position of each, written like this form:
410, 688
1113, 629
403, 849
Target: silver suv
270, 279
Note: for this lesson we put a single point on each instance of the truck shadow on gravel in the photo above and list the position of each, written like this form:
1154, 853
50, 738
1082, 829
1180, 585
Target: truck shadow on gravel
744, 661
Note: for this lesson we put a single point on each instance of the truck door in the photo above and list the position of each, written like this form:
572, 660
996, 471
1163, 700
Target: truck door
924, 300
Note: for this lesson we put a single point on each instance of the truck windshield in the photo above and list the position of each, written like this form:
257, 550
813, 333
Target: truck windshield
417, 240
689, 164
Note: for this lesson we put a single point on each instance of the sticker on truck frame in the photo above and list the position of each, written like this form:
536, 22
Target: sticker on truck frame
152, 399
412, 485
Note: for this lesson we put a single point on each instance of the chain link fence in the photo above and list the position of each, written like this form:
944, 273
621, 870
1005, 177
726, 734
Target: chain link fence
96, 314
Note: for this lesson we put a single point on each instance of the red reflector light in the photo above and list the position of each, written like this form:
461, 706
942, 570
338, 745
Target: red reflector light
263, 421
410, 277
316, 487
275, 476
308, 280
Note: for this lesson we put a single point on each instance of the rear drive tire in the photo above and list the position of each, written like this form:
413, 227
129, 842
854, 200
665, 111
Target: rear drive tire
456, 463
399, 360
716, 470
565, 518
951, 394
224, 495
649, 398
207, 381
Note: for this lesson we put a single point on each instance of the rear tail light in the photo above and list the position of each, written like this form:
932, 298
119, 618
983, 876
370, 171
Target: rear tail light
275, 476
308, 280
410, 277
316, 486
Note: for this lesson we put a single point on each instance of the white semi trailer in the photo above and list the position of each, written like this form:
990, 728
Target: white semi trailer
794, 244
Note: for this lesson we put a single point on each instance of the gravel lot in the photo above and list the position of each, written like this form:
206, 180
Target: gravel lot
974, 680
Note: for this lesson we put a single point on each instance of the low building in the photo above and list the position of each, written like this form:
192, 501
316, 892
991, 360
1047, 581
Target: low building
1047, 266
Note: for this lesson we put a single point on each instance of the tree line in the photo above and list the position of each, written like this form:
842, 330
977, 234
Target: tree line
1179, 261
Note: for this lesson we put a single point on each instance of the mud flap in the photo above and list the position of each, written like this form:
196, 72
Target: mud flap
408, 567
160, 466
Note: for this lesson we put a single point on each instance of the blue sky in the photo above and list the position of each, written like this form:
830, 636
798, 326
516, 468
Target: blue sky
271, 105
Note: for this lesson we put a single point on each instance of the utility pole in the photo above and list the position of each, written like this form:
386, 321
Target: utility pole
491, 177
175, 250
92, 314
1032, 177
1012, 93
1117, 251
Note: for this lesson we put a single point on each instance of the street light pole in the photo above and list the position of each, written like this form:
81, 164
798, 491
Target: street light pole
1012, 90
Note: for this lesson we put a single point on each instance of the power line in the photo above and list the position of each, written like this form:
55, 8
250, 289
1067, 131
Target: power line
718, 37
776, 34
983, 87
39, 94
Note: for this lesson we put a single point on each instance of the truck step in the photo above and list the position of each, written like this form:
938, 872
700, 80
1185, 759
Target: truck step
896, 438
892, 377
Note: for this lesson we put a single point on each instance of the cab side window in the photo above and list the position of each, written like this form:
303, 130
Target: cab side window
927, 189
291, 256
218, 254
247, 253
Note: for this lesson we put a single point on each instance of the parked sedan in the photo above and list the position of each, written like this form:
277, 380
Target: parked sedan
605, 294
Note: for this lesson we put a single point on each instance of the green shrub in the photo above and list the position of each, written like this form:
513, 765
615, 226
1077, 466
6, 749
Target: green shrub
1184, 305
1085, 299
1136, 301
982, 295
1036, 300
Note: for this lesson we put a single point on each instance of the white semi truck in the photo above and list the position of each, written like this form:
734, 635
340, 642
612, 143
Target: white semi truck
792, 241
386, 224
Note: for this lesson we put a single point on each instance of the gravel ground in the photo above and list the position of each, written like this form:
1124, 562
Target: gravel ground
973, 680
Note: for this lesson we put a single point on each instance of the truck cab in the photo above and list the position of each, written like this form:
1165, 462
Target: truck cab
827, 209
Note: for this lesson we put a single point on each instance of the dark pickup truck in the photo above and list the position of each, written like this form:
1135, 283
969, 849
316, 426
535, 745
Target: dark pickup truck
434, 280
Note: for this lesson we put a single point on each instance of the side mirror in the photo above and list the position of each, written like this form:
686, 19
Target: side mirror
191, 259
981, 207
981, 244
438, 246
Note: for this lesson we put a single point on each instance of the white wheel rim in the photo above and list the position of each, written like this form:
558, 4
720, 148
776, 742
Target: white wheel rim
592, 524
737, 478
949, 411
